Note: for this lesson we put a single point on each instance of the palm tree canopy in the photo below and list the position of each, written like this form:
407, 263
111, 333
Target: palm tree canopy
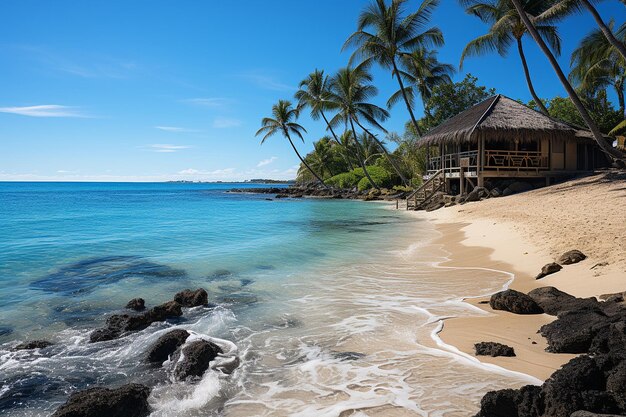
384, 32
313, 93
351, 89
506, 26
596, 63
282, 120
422, 71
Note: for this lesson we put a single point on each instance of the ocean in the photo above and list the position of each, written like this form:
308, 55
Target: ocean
333, 305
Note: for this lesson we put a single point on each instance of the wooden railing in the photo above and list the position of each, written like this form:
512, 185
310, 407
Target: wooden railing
418, 198
515, 159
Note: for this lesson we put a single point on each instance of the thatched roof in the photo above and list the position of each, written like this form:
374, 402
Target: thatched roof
500, 118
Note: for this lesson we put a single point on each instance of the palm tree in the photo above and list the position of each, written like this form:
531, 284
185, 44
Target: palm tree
283, 121
313, 93
507, 28
423, 71
609, 150
350, 89
596, 64
564, 7
392, 34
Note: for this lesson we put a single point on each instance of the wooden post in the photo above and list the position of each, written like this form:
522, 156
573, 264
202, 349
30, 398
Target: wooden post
462, 179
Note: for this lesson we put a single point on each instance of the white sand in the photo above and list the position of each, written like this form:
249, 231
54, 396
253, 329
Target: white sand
521, 233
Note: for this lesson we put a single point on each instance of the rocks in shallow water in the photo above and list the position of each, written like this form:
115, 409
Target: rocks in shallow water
166, 345
348, 356
196, 357
571, 257
514, 302
83, 276
574, 331
33, 344
549, 269
137, 304
5, 330
117, 324
126, 401
552, 301
493, 349
188, 298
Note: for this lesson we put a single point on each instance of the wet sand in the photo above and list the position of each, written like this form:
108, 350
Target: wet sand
522, 233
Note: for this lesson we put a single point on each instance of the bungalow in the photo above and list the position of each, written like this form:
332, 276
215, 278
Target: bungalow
500, 138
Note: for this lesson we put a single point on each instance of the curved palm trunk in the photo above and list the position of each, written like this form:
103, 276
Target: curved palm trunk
360, 157
619, 88
605, 29
609, 150
406, 99
332, 131
391, 161
542, 107
304, 162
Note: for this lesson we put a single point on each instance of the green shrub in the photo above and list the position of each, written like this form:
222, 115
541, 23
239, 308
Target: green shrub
380, 176
344, 180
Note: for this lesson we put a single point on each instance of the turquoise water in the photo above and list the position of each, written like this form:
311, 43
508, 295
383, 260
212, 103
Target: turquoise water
332, 306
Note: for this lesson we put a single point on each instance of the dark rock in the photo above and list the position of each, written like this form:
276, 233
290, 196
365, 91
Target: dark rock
126, 401
103, 335
515, 302
496, 192
33, 344
552, 301
196, 358
525, 402
188, 298
166, 345
117, 324
549, 269
278, 196
137, 304
581, 413
611, 338
493, 349
477, 194
571, 257
578, 385
348, 356
574, 331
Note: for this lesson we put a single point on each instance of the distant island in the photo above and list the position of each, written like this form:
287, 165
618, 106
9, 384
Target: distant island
254, 181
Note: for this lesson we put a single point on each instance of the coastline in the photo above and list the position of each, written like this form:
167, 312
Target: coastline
485, 235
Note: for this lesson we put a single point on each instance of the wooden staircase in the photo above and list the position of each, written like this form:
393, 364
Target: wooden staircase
418, 198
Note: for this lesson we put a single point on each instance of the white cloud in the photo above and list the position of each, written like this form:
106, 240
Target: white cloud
265, 81
266, 161
166, 147
225, 123
44, 110
63, 171
213, 102
175, 129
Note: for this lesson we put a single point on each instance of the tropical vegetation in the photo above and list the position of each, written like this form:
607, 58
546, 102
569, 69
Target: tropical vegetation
360, 153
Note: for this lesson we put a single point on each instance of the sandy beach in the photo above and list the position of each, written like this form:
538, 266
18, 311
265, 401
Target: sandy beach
520, 234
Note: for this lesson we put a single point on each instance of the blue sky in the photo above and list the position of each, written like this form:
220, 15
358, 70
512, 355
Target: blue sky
162, 90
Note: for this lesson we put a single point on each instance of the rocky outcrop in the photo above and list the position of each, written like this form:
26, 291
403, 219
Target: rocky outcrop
574, 331
188, 298
594, 384
126, 401
552, 301
549, 269
514, 302
196, 357
117, 324
517, 187
571, 257
493, 349
166, 345
33, 344
137, 304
